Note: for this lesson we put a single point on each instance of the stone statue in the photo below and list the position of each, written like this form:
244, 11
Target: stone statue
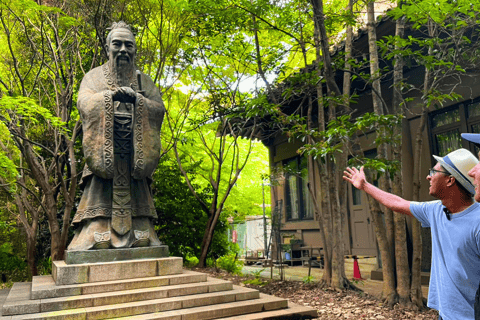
122, 113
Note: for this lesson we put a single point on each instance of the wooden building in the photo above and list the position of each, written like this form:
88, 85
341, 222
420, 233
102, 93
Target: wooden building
442, 135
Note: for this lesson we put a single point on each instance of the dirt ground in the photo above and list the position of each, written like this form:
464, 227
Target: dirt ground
330, 304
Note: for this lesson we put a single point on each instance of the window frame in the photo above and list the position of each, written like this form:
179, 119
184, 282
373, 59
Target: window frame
464, 125
301, 199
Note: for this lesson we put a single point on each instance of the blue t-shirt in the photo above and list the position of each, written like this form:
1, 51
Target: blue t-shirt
455, 273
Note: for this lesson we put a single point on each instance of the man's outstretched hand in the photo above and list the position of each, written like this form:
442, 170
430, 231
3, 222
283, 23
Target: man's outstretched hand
355, 177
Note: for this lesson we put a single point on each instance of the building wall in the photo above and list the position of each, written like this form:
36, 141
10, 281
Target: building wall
358, 227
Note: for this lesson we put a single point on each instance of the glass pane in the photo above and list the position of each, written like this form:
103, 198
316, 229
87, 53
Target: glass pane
356, 196
448, 142
293, 196
307, 198
474, 110
445, 118
291, 169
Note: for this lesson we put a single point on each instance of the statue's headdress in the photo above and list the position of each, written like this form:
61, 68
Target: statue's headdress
118, 25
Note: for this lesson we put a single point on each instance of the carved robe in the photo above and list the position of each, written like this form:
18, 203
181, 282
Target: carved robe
121, 145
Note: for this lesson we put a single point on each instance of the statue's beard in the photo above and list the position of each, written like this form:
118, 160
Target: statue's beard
122, 71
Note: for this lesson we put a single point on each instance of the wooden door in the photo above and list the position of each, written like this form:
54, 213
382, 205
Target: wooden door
363, 236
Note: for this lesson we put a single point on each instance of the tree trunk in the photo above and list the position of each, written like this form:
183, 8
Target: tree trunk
319, 213
389, 292
32, 266
339, 278
207, 240
347, 82
331, 203
30, 228
416, 285
55, 245
338, 272
326, 217
387, 242
322, 208
401, 254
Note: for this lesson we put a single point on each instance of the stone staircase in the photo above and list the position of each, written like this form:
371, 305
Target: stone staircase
140, 289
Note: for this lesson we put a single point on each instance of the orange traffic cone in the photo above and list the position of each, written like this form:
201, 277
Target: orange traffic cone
356, 269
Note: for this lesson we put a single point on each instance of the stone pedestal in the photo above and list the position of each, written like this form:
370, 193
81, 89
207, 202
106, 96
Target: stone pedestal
155, 288
110, 271
109, 255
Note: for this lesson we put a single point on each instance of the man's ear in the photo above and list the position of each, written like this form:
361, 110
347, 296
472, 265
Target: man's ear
451, 181
107, 49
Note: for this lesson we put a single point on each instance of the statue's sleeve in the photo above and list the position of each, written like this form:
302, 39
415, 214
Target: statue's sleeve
95, 105
149, 114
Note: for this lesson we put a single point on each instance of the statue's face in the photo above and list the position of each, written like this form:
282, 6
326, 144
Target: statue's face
121, 48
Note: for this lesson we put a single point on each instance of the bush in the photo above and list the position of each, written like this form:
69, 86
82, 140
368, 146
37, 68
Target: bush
181, 220
257, 274
210, 263
11, 266
256, 282
190, 261
230, 264
308, 279
44, 266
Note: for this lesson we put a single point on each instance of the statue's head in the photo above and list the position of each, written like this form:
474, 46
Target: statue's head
121, 47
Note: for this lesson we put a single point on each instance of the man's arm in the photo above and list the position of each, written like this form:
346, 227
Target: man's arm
391, 201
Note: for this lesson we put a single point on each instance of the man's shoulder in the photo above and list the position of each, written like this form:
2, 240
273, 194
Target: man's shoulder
432, 205
475, 207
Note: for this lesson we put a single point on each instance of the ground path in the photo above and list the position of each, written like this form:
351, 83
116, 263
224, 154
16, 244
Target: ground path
330, 304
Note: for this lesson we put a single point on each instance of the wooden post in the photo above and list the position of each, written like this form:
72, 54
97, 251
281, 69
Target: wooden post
310, 261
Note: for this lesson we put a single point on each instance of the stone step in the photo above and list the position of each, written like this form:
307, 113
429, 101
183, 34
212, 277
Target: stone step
241, 309
65, 274
293, 312
18, 301
44, 287
198, 306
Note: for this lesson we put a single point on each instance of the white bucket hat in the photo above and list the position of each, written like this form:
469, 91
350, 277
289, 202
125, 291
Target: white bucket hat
458, 163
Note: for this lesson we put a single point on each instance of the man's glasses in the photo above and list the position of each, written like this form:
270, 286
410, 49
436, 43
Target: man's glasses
432, 171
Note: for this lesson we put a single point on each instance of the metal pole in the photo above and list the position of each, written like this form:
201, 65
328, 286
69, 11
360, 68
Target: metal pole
264, 221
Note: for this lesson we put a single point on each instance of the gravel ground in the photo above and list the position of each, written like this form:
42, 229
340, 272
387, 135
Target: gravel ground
330, 304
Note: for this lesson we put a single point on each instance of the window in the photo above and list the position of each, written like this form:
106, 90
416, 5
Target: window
447, 124
299, 204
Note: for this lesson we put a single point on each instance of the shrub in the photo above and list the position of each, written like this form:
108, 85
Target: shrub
11, 266
181, 221
257, 274
210, 262
190, 261
308, 279
230, 264
44, 266
255, 282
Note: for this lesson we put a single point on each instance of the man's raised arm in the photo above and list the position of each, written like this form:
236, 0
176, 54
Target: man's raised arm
391, 201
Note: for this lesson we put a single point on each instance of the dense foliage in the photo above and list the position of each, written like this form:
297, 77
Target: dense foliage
181, 221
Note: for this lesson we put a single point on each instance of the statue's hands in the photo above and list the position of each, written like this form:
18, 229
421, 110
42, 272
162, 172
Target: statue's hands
125, 94
355, 177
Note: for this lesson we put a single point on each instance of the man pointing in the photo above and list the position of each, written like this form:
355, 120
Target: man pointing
454, 220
